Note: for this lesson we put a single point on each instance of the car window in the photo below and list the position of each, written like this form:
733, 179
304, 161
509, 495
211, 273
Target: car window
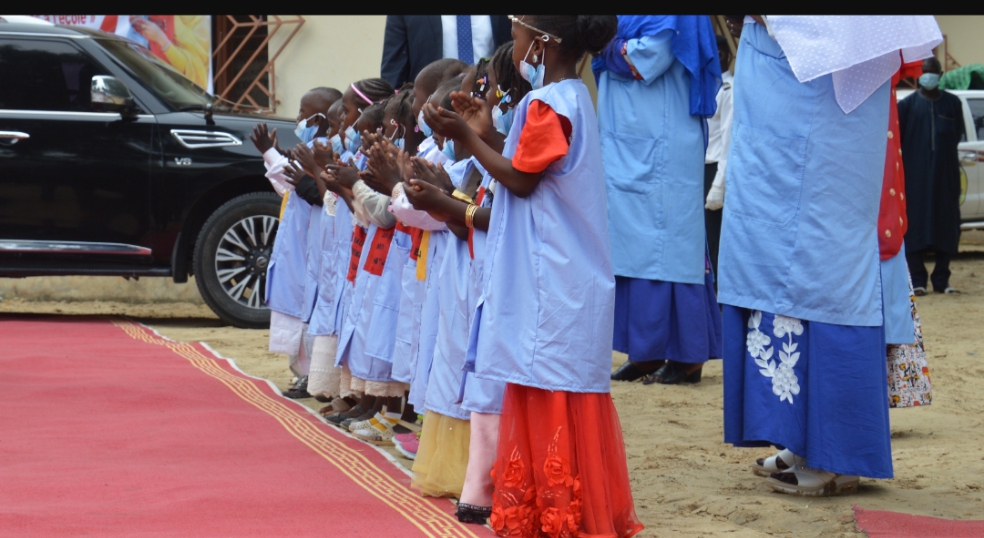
45, 75
977, 112
163, 79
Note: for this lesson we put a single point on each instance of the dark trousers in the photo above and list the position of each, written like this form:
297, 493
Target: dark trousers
712, 221
917, 270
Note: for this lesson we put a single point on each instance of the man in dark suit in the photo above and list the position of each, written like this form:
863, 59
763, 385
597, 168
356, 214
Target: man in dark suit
413, 41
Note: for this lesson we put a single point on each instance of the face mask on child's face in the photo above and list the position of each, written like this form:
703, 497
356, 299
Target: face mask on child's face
398, 142
424, 128
448, 150
502, 121
336, 144
533, 75
305, 133
353, 140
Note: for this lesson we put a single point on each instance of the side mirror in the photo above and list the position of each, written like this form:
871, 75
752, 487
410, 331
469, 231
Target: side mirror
109, 94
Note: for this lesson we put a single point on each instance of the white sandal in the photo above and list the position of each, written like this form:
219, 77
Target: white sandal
774, 464
812, 482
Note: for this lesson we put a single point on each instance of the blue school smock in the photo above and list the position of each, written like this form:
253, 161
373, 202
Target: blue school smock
408, 323
479, 395
315, 238
323, 318
899, 325
653, 153
805, 179
545, 318
287, 273
429, 314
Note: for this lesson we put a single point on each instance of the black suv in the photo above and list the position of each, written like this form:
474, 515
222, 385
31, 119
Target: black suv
112, 163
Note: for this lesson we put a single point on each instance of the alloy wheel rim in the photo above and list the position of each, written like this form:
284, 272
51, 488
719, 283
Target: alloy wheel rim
243, 257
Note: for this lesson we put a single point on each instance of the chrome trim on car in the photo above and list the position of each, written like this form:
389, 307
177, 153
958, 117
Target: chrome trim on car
114, 115
972, 225
71, 247
195, 139
15, 135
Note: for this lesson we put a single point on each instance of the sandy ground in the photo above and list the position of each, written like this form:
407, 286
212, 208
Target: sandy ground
686, 481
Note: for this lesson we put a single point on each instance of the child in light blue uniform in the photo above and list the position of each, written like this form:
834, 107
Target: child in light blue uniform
543, 325
287, 272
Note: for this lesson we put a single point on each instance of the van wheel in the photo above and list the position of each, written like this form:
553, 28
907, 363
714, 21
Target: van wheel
232, 254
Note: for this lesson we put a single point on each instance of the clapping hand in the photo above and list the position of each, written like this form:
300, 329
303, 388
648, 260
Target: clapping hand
345, 174
305, 158
445, 122
323, 154
264, 139
294, 172
432, 173
476, 112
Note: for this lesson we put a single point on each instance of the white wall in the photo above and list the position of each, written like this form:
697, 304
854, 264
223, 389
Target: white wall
965, 37
328, 50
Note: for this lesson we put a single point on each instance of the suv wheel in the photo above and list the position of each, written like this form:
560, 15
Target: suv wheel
232, 255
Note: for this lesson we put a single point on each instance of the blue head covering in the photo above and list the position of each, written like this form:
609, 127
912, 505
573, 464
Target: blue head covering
694, 45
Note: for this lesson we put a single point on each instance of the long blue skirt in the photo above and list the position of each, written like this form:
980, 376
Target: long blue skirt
656, 320
818, 389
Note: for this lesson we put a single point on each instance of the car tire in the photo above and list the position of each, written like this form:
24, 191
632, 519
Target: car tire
232, 255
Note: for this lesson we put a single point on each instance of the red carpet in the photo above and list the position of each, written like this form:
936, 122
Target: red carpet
107, 429
882, 524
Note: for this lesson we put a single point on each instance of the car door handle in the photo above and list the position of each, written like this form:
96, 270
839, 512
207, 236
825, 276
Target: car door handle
969, 158
12, 137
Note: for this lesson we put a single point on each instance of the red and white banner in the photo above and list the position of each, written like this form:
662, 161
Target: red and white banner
182, 41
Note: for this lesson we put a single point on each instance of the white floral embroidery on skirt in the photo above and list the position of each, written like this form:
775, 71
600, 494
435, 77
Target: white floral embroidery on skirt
785, 384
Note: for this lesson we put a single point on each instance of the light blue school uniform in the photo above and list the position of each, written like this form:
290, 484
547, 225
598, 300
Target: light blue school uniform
899, 326
547, 308
457, 298
323, 317
430, 311
654, 166
315, 240
479, 395
287, 275
799, 241
408, 323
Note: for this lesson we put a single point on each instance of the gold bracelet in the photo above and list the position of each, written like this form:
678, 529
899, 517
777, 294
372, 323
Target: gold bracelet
458, 195
470, 215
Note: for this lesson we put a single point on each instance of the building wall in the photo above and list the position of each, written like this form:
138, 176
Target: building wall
965, 37
307, 61
328, 50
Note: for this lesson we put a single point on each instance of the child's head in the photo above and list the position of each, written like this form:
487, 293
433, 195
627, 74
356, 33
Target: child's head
505, 80
569, 36
361, 95
371, 121
432, 76
335, 117
314, 107
399, 121
476, 79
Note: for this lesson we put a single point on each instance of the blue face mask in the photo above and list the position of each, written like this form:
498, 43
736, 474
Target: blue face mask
533, 75
336, 144
448, 150
398, 142
929, 80
424, 128
353, 139
305, 133
502, 121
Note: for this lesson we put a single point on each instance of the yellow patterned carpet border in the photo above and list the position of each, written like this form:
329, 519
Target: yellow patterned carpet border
418, 511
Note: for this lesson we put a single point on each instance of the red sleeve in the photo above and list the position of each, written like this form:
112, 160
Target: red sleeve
545, 138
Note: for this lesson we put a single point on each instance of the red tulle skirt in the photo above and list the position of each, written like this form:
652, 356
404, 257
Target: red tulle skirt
560, 470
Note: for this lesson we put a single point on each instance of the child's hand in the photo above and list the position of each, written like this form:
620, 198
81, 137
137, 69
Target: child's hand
345, 175
424, 196
432, 173
294, 173
384, 163
305, 157
476, 112
264, 139
329, 182
323, 154
445, 122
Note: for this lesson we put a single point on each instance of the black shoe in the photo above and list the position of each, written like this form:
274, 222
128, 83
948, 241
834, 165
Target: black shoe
631, 371
299, 390
473, 514
322, 398
679, 375
657, 376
